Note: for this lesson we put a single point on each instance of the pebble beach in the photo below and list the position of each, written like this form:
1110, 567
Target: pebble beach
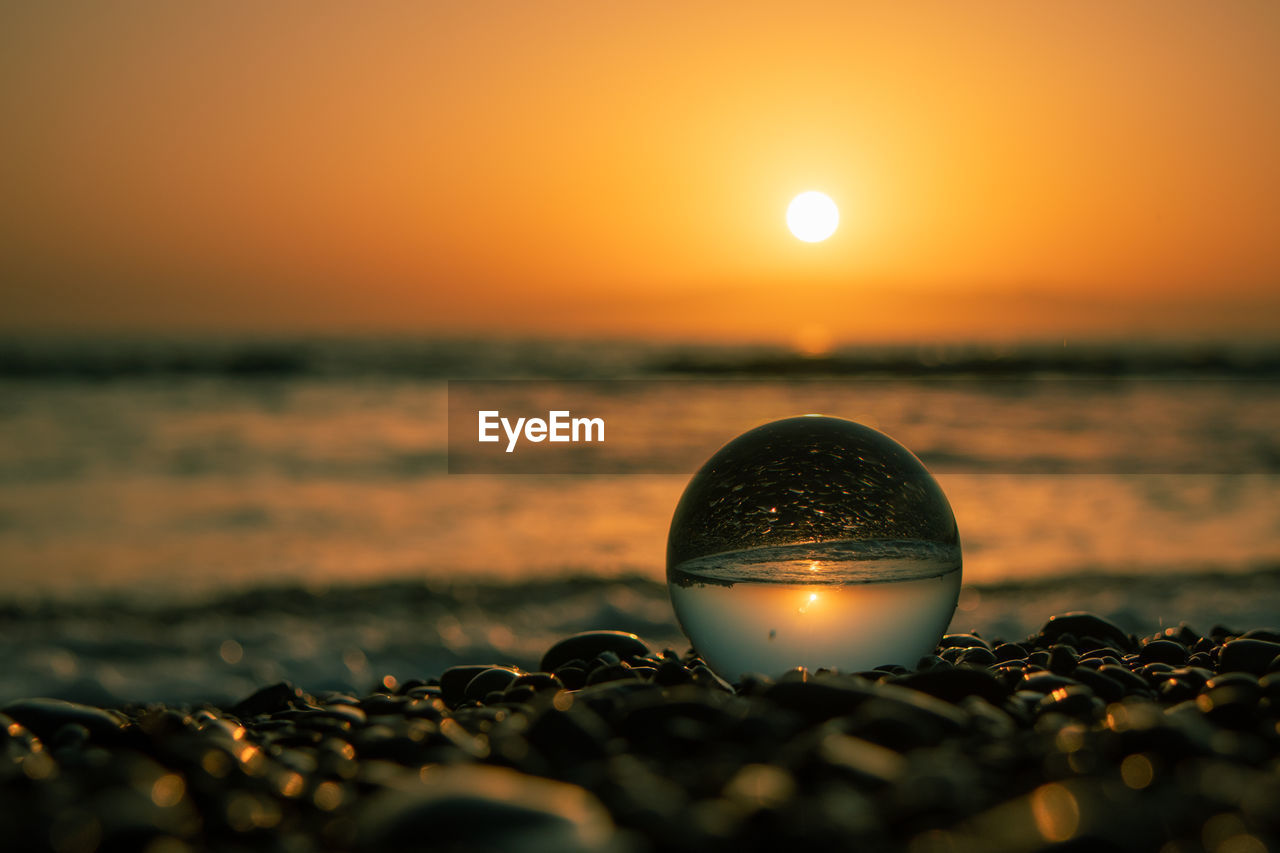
1080, 736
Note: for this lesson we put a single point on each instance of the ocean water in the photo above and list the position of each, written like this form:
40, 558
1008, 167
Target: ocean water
180, 520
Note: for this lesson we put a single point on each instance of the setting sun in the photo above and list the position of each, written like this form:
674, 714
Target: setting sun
812, 217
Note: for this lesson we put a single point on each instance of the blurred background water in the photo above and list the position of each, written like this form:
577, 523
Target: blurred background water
182, 520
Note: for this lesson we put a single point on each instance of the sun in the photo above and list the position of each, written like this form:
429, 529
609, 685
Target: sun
812, 217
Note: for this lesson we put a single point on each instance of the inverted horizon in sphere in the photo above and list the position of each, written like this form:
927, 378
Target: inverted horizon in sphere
812, 216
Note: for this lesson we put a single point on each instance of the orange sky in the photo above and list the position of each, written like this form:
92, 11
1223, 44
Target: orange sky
1006, 170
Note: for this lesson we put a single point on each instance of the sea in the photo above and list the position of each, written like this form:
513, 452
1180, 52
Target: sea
184, 519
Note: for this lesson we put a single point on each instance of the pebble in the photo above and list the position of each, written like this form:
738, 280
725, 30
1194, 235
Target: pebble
454, 681
380, 704
979, 655
486, 681
954, 684
1010, 652
590, 644
1103, 686
1062, 659
1163, 651
539, 681
963, 641
1046, 682
482, 808
573, 675
670, 673
277, 697
1077, 701
1076, 738
1080, 625
611, 672
44, 717
1248, 655
819, 701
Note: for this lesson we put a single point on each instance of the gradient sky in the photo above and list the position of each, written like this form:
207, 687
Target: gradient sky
1004, 170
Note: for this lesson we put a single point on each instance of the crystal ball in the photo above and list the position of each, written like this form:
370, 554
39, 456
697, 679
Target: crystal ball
813, 541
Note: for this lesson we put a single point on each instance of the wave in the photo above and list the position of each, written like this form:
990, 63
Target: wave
106, 358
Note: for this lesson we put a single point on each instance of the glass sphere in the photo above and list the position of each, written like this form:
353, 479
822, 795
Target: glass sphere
813, 541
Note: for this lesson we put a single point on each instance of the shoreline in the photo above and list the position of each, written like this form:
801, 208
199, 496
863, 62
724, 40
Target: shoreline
217, 648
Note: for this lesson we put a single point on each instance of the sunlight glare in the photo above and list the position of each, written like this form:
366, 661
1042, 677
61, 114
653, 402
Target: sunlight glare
812, 216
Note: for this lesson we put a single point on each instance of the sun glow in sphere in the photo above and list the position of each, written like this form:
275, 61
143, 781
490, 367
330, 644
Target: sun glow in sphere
812, 217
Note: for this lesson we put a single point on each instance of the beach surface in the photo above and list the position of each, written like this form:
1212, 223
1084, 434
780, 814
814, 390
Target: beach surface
1079, 736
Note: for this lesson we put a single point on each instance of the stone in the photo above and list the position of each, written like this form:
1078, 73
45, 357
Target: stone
818, 701
1230, 702
590, 644
573, 676
611, 672
671, 673
454, 681
539, 681
963, 641
1248, 655
904, 719
1081, 624
1009, 652
1077, 702
1105, 688
978, 655
44, 717
1062, 659
380, 704
476, 807
281, 696
495, 678
1046, 682
1131, 680
1163, 651
954, 684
